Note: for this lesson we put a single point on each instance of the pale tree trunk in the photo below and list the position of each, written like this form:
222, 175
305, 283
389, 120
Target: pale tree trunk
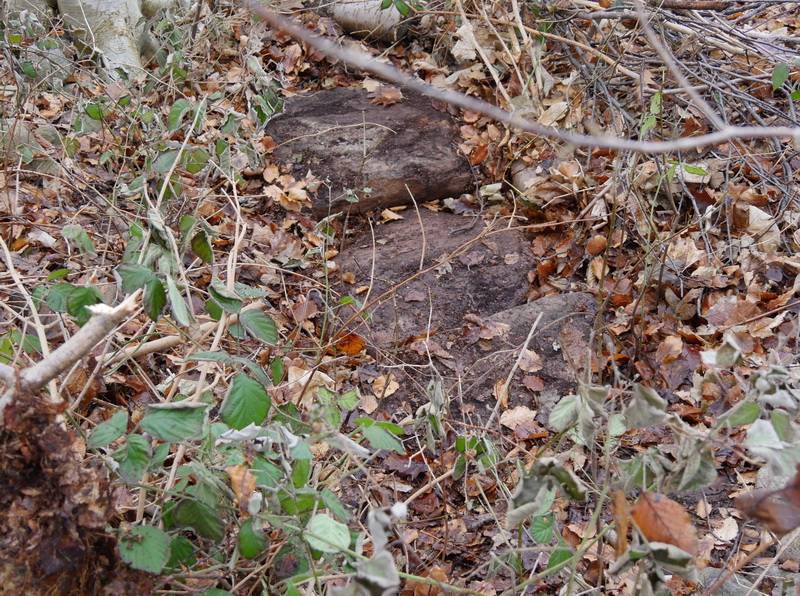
113, 29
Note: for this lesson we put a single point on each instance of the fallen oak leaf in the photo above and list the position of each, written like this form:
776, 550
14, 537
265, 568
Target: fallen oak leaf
660, 519
386, 95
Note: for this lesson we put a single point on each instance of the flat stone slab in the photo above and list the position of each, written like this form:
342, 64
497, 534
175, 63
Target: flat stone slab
463, 323
374, 156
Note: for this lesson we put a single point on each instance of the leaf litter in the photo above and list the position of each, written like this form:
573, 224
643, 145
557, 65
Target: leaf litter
690, 256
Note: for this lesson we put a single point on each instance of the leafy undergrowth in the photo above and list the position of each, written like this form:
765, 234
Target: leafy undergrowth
233, 417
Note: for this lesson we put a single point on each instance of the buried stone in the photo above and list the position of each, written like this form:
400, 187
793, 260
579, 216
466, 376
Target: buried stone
370, 156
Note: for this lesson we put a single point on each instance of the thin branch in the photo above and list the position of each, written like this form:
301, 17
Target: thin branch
362, 60
104, 320
662, 52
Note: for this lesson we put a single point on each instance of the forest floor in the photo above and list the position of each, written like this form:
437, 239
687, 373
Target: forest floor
240, 434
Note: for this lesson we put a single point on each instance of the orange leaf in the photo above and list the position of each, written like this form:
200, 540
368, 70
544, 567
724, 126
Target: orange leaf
622, 517
351, 344
661, 519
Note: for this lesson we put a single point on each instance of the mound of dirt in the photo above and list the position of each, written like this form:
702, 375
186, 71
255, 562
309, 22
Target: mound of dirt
450, 307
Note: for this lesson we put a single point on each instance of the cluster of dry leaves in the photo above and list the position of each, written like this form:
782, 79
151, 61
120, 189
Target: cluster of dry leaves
678, 251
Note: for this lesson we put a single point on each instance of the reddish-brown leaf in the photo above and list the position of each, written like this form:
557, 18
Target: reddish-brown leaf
779, 510
661, 519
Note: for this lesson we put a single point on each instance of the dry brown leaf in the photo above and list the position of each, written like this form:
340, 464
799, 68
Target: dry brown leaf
501, 393
383, 386
243, 483
622, 517
530, 361
386, 95
660, 519
514, 417
778, 510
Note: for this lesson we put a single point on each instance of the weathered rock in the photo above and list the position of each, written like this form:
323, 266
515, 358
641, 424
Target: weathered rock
378, 156
471, 320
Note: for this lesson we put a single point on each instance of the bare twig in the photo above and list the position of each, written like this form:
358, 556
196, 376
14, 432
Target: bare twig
360, 59
104, 319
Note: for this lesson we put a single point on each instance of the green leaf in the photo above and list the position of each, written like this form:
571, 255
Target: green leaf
75, 235
29, 70
222, 357
260, 326
655, 103
94, 111
251, 542
145, 548
301, 472
403, 8
564, 413
213, 309
109, 431
780, 75
198, 516
277, 371
245, 291
179, 309
202, 247
333, 503
181, 555
79, 299
154, 299
247, 402
57, 274
133, 276
57, 297
460, 467
347, 401
298, 501
267, 474
237, 332
379, 438
745, 412
165, 161
177, 112
195, 159
542, 529
558, 557
175, 422
227, 299
782, 425
255, 369
30, 344
327, 535
646, 408
694, 170
186, 224
133, 458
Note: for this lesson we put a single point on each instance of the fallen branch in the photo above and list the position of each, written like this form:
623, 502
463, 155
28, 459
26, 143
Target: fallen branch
360, 59
30, 380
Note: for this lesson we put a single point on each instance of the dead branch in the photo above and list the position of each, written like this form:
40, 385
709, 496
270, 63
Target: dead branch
32, 379
360, 59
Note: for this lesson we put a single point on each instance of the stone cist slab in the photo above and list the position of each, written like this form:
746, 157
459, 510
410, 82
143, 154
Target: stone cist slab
371, 156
